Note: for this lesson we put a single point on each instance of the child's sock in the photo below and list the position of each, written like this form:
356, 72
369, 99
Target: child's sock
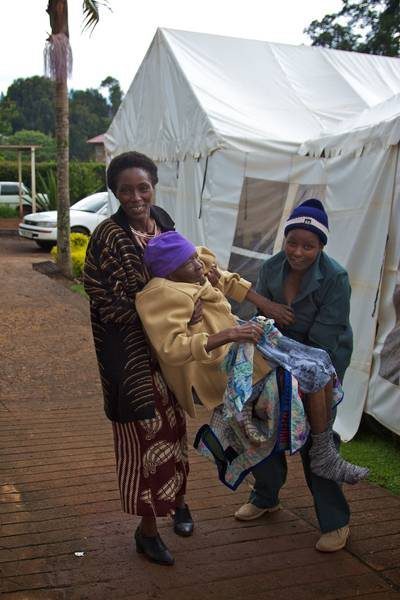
326, 461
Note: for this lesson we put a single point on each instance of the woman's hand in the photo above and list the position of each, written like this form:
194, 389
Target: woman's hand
197, 315
282, 314
213, 275
248, 332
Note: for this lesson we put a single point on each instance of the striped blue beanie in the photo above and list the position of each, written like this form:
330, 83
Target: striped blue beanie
309, 215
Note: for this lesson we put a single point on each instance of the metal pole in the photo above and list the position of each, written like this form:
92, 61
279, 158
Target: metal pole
33, 179
21, 208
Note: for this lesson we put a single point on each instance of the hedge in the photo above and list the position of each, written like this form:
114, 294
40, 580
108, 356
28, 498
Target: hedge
79, 243
85, 178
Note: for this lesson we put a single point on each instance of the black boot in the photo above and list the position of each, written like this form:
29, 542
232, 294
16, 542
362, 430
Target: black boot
154, 548
183, 522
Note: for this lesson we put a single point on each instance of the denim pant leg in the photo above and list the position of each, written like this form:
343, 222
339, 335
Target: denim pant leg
330, 504
269, 478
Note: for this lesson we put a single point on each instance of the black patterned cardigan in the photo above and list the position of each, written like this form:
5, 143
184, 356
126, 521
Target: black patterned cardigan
113, 273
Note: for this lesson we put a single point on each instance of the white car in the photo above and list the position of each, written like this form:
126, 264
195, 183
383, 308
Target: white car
9, 195
85, 215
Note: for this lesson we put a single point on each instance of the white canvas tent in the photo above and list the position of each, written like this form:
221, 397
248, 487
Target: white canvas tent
227, 120
373, 136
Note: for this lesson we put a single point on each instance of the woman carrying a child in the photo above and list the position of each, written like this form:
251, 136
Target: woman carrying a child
191, 356
149, 425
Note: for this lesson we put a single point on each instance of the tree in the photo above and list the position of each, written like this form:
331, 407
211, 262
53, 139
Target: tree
58, 60
33, 101
90, 112
114, 93
371, 26
89, 116
8, 112
46, 152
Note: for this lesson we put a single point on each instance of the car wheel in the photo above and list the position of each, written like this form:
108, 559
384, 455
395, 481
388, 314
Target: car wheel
45, 245
79, 229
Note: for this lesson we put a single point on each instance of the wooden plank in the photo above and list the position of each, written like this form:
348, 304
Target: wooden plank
59, 494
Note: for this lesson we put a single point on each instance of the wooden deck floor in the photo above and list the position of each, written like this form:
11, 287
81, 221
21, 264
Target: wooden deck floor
63, 535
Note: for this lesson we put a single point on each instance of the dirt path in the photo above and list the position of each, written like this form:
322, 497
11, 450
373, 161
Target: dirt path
9, 225
63, 535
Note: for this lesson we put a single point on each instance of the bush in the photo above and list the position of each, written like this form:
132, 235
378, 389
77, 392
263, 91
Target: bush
79, 243
78, 262
9, 212
47, 150
49, 186
85, 178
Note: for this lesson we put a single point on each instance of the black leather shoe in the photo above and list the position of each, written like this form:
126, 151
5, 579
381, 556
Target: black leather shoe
153, 548
183, 522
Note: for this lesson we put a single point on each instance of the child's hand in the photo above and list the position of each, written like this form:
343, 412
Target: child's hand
213, 275
197, 315
248, 332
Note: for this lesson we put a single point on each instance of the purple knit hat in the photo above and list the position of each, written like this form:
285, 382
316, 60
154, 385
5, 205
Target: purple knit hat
167, 252
309, 215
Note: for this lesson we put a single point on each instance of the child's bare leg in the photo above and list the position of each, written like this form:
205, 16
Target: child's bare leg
318, 407
325, 460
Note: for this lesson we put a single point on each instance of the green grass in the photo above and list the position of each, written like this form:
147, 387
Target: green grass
380, 452
79, 289
8, 212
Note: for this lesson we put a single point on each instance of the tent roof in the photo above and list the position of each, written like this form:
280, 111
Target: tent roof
197, 92
376, 126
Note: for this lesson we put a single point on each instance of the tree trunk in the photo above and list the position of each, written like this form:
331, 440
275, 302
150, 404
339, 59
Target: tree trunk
58, 60
62, 137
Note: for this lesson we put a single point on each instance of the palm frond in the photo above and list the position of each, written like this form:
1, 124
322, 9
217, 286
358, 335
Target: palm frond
91, 13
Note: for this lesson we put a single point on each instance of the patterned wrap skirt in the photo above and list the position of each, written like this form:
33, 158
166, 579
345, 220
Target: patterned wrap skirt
152, 457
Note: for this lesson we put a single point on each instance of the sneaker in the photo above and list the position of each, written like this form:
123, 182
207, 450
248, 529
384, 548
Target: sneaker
250, 511
333, 540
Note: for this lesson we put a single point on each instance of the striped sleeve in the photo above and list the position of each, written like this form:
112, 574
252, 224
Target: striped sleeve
107, 286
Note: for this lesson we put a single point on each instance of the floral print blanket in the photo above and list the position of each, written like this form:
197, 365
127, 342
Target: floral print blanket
275, 404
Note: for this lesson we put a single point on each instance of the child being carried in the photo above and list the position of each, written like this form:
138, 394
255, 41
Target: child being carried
191, 355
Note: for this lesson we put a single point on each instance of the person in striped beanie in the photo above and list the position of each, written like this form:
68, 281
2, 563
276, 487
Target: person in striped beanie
310, 216
309, 294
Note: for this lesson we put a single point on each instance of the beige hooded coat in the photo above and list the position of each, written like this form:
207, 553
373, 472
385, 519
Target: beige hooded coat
165, 308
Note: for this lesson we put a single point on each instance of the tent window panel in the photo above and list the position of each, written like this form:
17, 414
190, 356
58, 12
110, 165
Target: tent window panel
260, 210
308, 191
248, 268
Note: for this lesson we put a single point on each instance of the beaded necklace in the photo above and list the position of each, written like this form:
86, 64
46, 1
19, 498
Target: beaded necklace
142, 237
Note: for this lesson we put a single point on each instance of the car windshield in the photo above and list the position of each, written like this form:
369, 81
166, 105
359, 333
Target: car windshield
91, 204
